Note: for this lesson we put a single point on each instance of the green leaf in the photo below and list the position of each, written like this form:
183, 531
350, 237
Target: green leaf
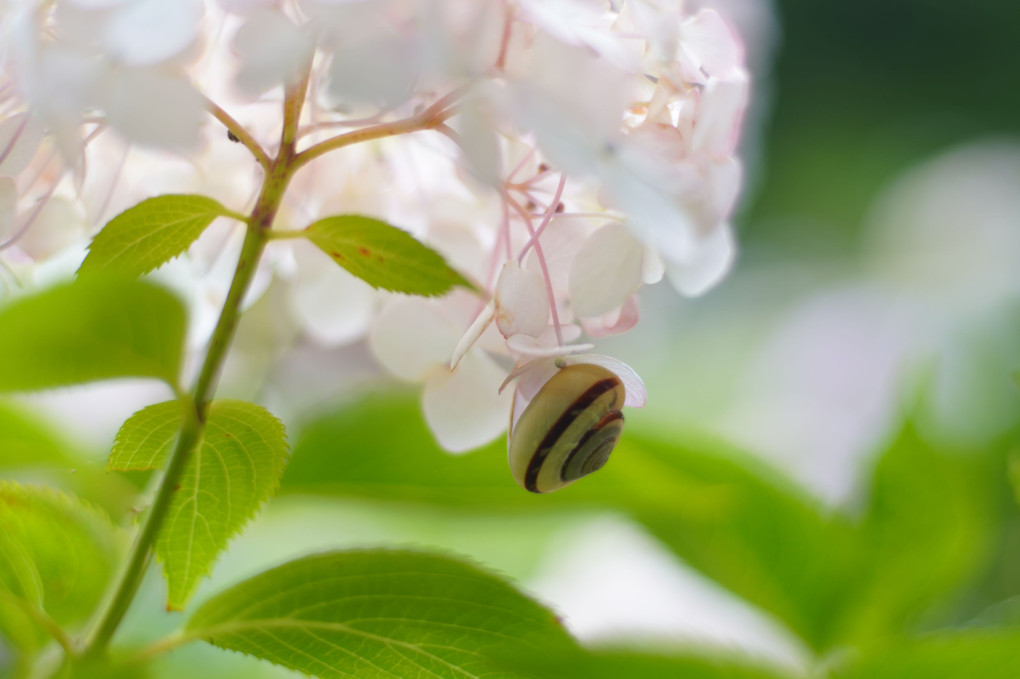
925, 508
91, 330
1014, 474
376, 614
733, 519
753, 532
988, 654
384, 256
57, 554
26, 442
151, 233
616, 664
235, 468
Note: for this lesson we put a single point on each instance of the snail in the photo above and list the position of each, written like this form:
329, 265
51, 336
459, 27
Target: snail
569, 428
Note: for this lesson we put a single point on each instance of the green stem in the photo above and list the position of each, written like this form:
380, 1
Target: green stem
274, 186
41, 618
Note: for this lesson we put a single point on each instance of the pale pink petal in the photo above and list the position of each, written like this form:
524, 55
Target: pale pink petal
153, 108
479, 141
614, 322
272, 51
561, 241
60, 224
20, 137
8, 208
723, 182
529, 346
95, 4
720, 113
463, 407
245, 7
380, 72
410, 338
533, 375
711, 43
522, 306
652, 267
606, 271
150, 31
334, 307
637, 395
707, 266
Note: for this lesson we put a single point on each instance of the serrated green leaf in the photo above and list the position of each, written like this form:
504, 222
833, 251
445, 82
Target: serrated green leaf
617, 664
988, 654
235, 468
146, 439
57, 554
91, 330
384, 256
151, 233
376, 614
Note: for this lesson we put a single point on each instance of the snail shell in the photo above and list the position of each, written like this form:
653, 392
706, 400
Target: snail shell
569, 428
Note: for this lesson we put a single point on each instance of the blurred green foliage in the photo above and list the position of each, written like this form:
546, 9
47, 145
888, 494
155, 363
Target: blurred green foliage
859, 92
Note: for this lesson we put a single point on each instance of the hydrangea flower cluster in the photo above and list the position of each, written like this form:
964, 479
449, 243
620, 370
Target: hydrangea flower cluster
582, 149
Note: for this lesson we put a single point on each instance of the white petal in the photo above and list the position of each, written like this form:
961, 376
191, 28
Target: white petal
150, 31
533, 375
20, 137
152, 108
709, 264
479, 141
95, 4
8, 208
522, 306
463, 407
713, 45
606, 271
614, 322
723, 180
272, 50
653, 214
245, 7
60, 224
720, 112
529, 346
652, 267
633, 385
333, 307
410, 337
381, 72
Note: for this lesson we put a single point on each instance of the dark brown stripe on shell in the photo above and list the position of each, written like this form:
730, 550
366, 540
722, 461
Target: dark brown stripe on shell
611, 416
556, 431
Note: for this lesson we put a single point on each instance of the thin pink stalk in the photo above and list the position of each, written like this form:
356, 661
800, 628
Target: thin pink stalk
14, 139
546, 218
541, 263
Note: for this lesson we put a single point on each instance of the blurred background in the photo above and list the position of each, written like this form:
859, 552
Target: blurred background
877, 284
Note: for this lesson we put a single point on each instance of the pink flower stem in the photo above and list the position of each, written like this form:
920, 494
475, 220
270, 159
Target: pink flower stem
546, 218
541, 263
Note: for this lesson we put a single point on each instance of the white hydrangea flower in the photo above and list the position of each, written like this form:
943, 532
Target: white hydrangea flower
580, 149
